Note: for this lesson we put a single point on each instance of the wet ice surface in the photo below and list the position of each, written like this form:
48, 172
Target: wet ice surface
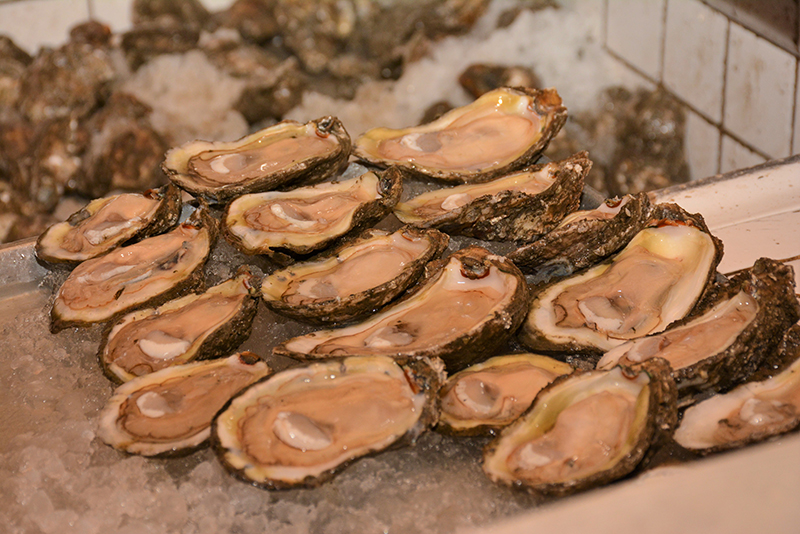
56, 476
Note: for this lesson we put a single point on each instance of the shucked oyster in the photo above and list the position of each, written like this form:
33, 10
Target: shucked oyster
471, 303
170, 411
275, 157
583, 238
108, 222
148, 272
585, 429
503, 130
520, 206
196, 326
311, 218
488, 396
356, 279
736, 326
656, 279
303, 425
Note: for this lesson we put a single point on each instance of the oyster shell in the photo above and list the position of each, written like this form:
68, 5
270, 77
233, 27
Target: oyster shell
728, 337
356, 279
311, 218
106, 223
520, 206
146, 273
503, 130
584, 238
490, 395
655, 280
197, 326
471, 303
303, 425
750, 413
275, 157
170, 411
585, 429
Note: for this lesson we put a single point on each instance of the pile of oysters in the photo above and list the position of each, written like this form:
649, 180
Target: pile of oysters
637, 345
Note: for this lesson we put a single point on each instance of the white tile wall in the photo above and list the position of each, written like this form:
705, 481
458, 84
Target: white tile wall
759, 93
694, 55
701, 146
36, 23
736, 156
634, 32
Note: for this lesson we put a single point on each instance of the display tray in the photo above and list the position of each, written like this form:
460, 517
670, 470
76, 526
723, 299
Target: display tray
57, 476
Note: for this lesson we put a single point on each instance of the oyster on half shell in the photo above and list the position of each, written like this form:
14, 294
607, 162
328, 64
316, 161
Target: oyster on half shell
149, 272
197, 326
470, 303
301, 426
356, 279
520, 206
275, 157
503, 130
106, 223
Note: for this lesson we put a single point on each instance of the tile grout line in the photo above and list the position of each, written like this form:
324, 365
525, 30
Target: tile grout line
794, 137
90, 9
663, 51
720, 127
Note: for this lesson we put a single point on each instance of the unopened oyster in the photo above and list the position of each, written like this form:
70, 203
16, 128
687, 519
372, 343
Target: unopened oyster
108, 222
471, 303
585, 429
311, 218
197, 326
750, 413
487, 396
146, 273
656, 279
170, 411
303, 425
583, 238
734, 329
356, 279
275, 157
503, 130
520, 206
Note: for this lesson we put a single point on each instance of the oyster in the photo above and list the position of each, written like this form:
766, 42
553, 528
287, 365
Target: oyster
471, 303
734, 329
585, 429
584, 238
520, 206
146, 273
503, 130
655, 280
750, 413
487, 396
170, 411
193, 327
106, 223
303, 425
311, 218
356, 279
275, 157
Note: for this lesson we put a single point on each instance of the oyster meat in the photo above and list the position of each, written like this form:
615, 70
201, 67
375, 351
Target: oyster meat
503, 130
146, 273
170, 411
471, 303
585, 429
303, 425
106, 223
275, 157
520, 206
655, 280
196, 326
734, 329
487, 396
356, 279
311, 218
584, 238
